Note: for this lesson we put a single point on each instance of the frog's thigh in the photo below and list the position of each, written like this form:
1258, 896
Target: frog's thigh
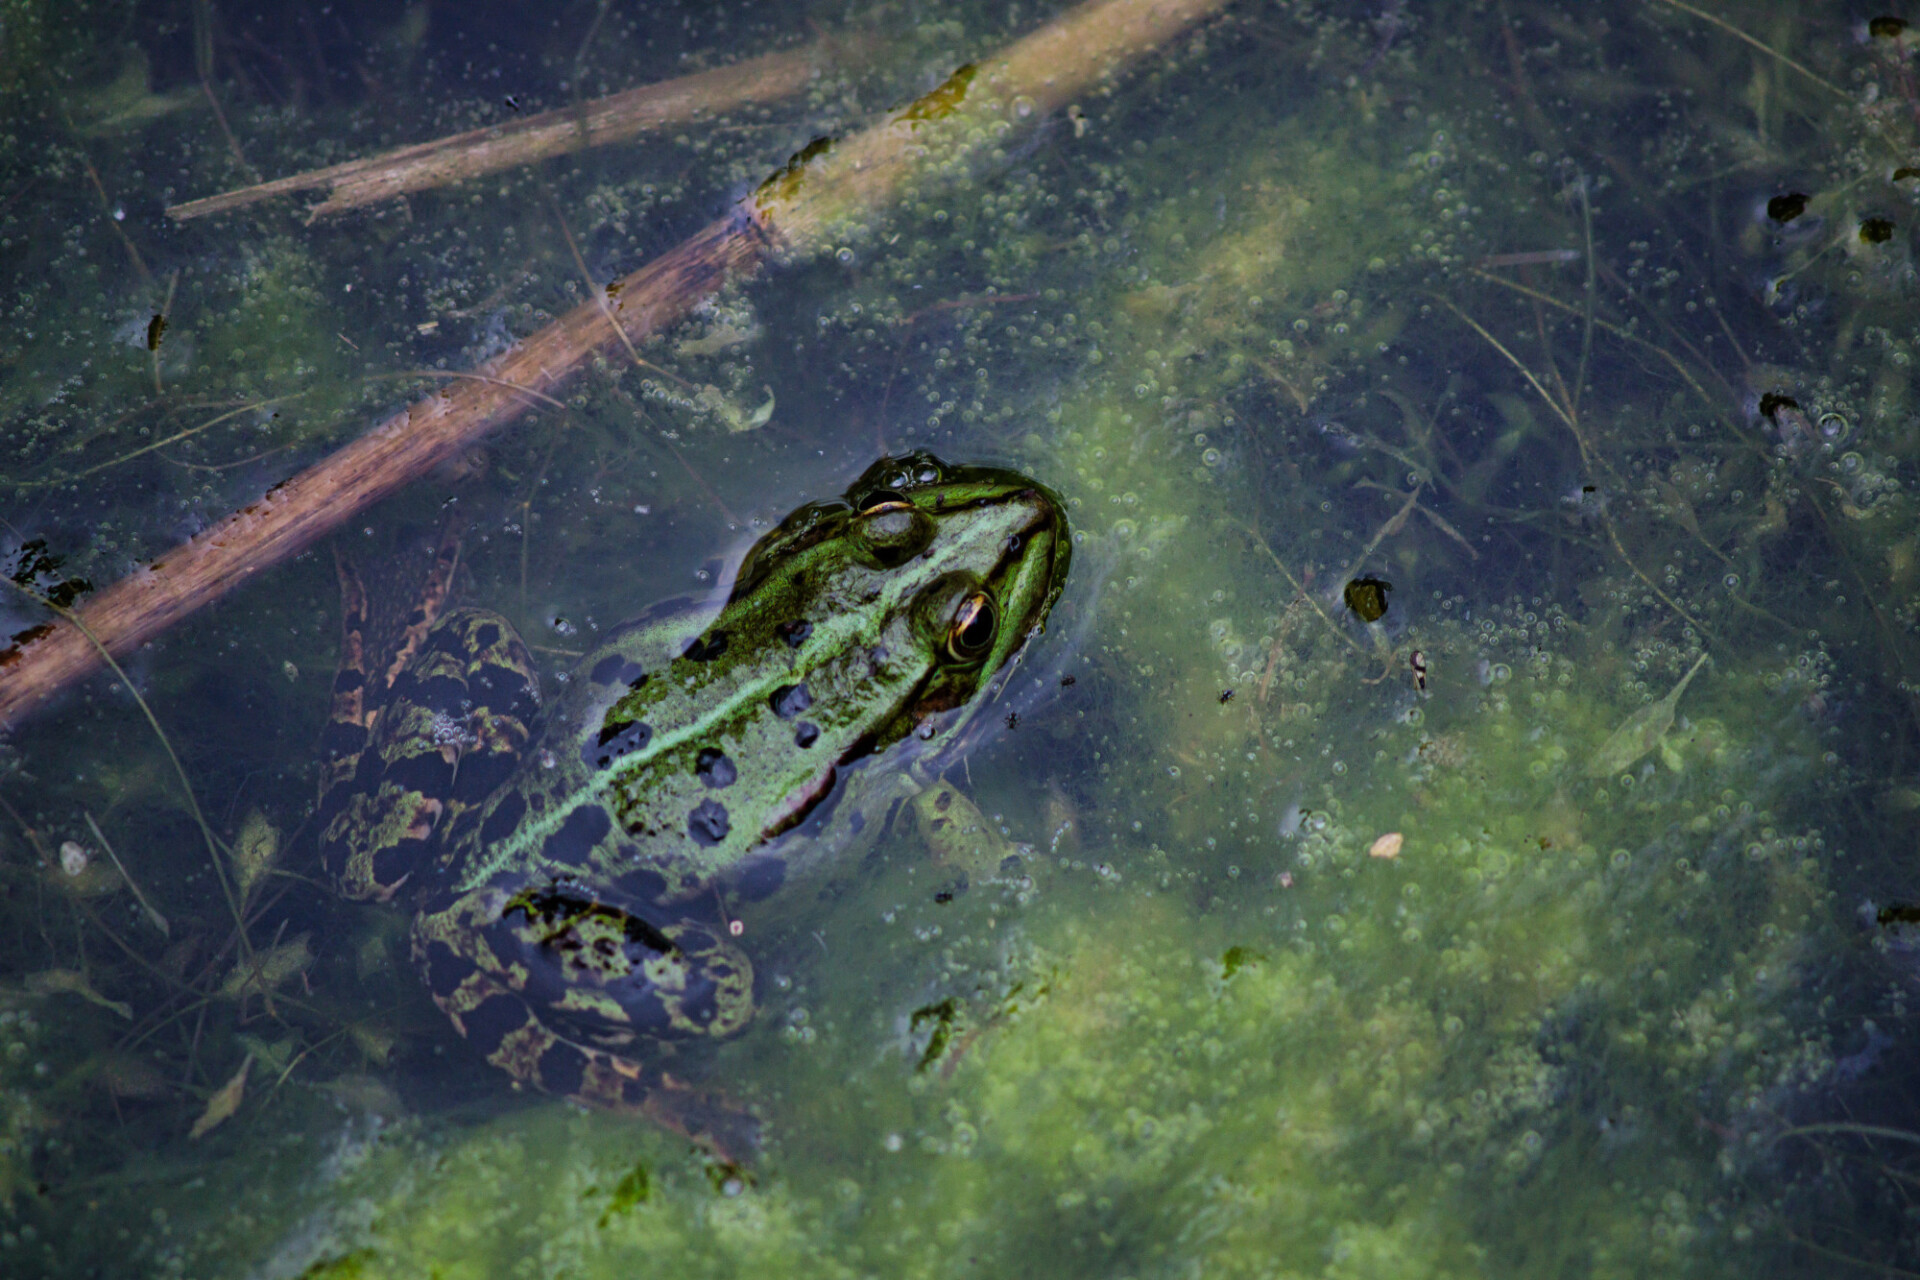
449, 732
500, 699
590, 972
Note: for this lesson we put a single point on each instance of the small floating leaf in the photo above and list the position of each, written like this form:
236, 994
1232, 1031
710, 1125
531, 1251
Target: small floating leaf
1641, 732
267, 970
1367, 597
156, 330
254, 850
222, 1105
74, 983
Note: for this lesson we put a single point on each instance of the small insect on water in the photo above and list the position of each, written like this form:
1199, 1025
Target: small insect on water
1013, 719
1226, 696
1418, 662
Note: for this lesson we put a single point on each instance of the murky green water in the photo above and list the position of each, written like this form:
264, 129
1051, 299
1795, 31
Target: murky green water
1447, 944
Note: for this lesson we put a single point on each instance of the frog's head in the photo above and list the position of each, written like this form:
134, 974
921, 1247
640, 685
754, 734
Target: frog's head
914, 590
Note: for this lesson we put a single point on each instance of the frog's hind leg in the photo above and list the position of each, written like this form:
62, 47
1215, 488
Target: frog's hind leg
495, 1019
419, 733
563, 989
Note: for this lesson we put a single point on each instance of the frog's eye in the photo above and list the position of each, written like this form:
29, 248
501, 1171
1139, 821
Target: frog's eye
970, 634
894, 532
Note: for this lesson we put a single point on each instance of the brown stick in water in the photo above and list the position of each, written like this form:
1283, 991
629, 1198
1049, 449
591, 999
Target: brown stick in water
591, 124
798, 210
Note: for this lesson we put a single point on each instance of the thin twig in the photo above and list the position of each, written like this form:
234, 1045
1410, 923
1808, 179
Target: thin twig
159, 921
1767, 49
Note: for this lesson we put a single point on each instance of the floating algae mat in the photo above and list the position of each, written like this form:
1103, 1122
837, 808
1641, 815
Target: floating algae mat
1548, 911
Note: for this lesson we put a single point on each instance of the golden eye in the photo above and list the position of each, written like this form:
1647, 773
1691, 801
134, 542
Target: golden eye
970, 634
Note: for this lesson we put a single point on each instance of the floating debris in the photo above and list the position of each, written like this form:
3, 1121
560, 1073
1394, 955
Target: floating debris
74, 858
1367, 597
222, 1105
1387, 846
1785, 208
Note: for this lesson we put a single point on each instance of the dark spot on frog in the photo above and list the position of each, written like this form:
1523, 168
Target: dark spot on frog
504, 689
446, 968
789, 700
644, 884
573, 844
1010, 865
708, 823
617, 738
492, 1020
1785, 208
618, 669
712, 767
504, 819
856, 822
396, 862
805, 734
795, 632
762, 878
349, 679
487, 636
442, 693
952, 891
429, 773
707, 648
562, 1068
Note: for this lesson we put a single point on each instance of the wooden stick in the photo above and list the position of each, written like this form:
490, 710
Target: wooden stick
591, 124
798, 210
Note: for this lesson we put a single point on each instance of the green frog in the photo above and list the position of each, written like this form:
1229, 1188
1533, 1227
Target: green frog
572, 868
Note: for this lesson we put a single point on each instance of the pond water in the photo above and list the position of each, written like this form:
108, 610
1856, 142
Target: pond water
1458, 820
